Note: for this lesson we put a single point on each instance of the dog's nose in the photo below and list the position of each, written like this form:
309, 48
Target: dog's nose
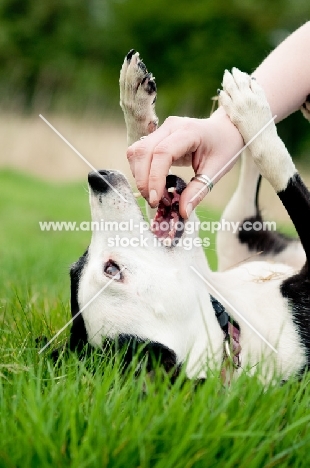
99, 180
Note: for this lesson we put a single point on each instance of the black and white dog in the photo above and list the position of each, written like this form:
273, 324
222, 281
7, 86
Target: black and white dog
254, 315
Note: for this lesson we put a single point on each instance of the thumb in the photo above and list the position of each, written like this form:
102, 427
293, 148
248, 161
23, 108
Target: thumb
196, 190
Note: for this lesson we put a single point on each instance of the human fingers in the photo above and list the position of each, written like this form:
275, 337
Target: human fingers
200, 185
180, 142
220, 148
150, 158
140, 154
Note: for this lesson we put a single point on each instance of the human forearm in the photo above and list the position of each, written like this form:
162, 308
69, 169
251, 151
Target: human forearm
214, 144
285, 73
285, 77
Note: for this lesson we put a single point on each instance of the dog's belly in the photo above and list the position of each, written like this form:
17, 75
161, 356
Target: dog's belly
253, 297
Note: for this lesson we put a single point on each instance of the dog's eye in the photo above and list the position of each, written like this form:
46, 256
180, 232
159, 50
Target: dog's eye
112, 270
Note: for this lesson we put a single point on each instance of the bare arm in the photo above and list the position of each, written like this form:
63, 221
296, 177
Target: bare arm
213, 142
285, 73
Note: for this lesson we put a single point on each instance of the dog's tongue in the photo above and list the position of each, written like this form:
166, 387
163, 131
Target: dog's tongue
168, 225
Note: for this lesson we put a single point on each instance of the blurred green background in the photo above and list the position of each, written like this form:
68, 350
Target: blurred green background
65, 55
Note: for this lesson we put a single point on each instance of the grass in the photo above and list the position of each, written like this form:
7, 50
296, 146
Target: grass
87, 414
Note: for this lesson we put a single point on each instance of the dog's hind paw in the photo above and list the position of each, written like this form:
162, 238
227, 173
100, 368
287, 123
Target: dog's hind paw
137, 97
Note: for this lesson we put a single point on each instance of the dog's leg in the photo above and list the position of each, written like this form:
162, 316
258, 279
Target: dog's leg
245, 236
137, 98
247, 107
242, 206
245, 103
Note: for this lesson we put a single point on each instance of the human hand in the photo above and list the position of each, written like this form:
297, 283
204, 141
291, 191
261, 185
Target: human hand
209, 145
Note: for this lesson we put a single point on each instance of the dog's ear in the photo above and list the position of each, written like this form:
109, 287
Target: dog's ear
78, 335
157, 353
151, 354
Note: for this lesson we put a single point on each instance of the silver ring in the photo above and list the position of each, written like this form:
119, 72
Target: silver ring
204, 179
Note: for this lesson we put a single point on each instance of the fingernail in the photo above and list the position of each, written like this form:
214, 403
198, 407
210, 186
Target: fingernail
153, 198
189, 209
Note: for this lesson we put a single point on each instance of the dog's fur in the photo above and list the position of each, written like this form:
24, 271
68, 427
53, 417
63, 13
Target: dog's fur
155, 296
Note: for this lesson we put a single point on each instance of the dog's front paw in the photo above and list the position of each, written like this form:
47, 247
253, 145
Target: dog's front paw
137, 97
245, 103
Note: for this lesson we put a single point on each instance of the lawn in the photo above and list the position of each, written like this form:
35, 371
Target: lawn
88, 414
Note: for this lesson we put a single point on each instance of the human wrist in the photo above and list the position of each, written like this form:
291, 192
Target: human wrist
228, 130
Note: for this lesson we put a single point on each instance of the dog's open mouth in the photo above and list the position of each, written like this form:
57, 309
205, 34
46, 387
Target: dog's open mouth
168, 225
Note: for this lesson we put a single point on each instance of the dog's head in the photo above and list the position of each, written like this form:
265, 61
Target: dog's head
135, 280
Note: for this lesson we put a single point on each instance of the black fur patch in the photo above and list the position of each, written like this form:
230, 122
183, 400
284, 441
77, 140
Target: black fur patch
151, 353
263, 241
78, 335
297, 290
296, 199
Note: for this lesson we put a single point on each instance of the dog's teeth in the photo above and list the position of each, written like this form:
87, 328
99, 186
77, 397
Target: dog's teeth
167, 242
137, 194
171, 189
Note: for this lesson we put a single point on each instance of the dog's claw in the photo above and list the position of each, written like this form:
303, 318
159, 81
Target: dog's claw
137, 97
142, 66
150, 87
130, 54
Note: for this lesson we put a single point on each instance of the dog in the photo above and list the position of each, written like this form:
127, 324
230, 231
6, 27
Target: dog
159, 293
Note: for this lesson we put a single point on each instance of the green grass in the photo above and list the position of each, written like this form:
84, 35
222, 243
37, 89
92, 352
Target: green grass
86, 414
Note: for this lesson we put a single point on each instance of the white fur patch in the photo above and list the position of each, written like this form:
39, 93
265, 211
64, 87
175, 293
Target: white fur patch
245, 103
137, 104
